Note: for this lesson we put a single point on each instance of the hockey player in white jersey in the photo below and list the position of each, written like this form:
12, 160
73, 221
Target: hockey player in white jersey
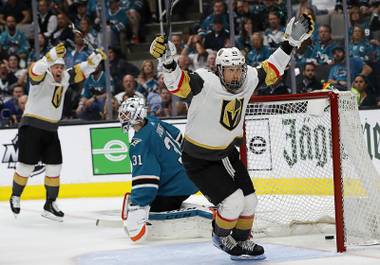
215, 127
37, 136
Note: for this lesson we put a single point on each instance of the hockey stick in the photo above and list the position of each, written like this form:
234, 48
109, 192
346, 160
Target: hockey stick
168, 28
86, 41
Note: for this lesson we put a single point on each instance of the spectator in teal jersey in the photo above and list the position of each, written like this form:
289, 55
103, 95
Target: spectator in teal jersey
93, 96
218, 10
273, 34
79, 53
14, 41
147, 78
259, 52
357, 20
118, 21
359, 46
322, 51
338, 72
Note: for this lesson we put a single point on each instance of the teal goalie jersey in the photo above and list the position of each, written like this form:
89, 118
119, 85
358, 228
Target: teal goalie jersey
157, 167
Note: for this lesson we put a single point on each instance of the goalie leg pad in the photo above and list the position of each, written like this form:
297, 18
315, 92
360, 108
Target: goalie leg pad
24, 170
53, 170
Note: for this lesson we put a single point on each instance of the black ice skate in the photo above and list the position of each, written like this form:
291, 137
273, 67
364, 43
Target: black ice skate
251, 251
228, 244
52, 212
14, 201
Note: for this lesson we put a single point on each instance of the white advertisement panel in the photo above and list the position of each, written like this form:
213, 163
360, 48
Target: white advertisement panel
91, 153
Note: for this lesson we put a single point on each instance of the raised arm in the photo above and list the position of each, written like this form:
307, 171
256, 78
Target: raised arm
179, 82
82, 70
37, 70
296, 32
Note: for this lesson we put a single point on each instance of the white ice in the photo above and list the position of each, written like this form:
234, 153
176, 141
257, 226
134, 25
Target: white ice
33, 240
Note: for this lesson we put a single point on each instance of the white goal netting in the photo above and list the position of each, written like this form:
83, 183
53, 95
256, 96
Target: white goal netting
290, 158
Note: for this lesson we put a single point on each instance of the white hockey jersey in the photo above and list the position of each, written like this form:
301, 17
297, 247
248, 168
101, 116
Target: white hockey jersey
215, 117
45, 100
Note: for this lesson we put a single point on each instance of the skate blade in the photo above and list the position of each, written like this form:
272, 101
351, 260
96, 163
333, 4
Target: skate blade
248, 257
51, 216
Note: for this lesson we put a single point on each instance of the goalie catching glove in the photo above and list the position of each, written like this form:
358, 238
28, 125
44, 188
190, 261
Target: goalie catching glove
161, 51
55, 53
300, 30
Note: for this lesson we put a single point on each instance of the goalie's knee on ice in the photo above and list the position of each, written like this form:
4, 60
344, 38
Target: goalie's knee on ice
232, 206
24, 170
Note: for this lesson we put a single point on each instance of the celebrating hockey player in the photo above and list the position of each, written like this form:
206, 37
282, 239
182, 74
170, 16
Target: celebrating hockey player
215, 126
37, 136
159, 181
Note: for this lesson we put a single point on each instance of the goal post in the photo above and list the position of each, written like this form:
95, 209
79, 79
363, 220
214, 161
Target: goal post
309, 163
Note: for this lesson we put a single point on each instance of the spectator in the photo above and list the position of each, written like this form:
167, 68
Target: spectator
338, 72
120, 67
118, 21
135, 10
16, 9
199, 59
218, 10
166, 104
13, 105
153, 99
130, 89
304, 6
259, 52
44, 48
243, 40
322, 50
12, 40
63, 33
364, 95
7, 79
88, 32
184, 62
47, 21
242, 13
273, 34
359, 46
279, 7
178, 42
146, 78
308, 81
14, 67
211, 61
79, 53
356, 20
78, 11
115, 110
216, 38
91, 105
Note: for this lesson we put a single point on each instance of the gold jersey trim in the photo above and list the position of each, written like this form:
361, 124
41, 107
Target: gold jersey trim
209, 146
40, 118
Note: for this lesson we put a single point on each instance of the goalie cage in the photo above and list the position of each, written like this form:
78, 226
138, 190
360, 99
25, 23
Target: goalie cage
310, 165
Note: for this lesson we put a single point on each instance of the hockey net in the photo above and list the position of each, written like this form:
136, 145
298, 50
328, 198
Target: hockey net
310, 166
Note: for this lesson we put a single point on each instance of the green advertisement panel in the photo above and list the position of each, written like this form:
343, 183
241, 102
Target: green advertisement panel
109, 151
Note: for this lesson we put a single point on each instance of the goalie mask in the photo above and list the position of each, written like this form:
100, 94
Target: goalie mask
231, 69
132, 112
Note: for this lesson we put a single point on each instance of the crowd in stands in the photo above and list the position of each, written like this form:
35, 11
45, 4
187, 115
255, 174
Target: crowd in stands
259, 26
